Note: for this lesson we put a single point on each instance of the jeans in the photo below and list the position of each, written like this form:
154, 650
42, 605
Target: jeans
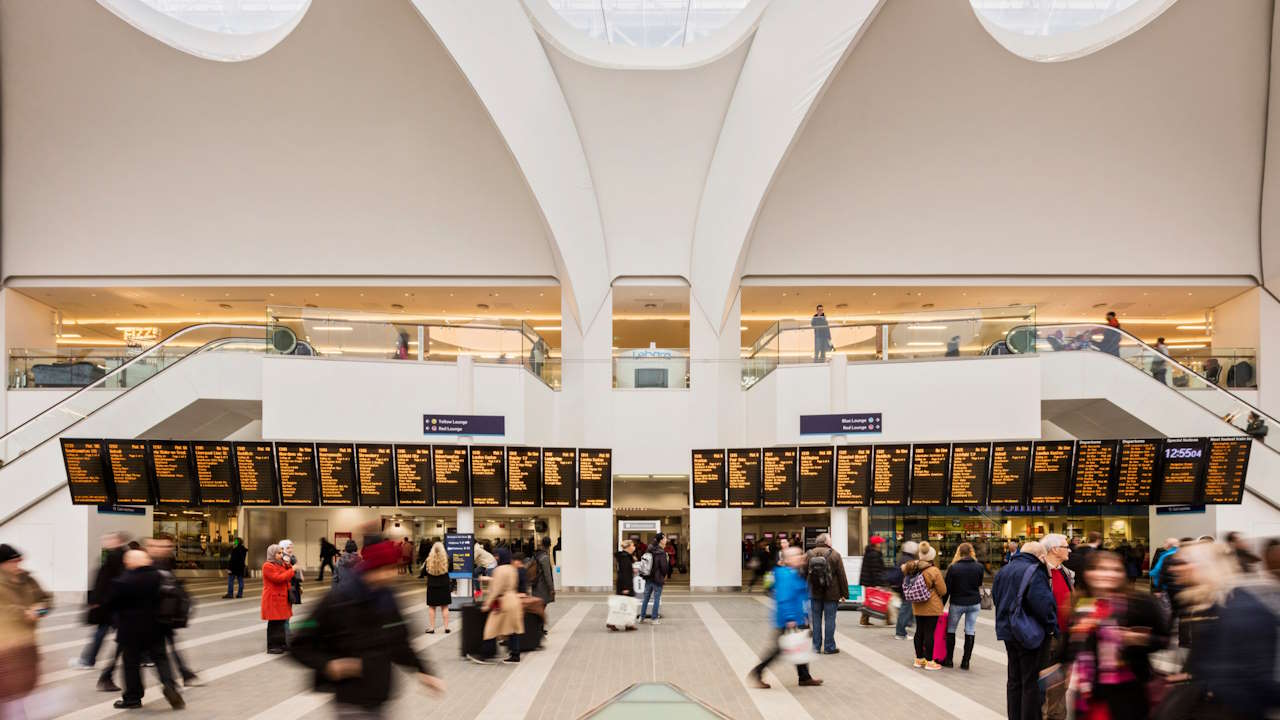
802, 671
133, 653
822, 617
970, 614
1022, 692
926, 626
90, 654
231, 579
905, 616
655, 590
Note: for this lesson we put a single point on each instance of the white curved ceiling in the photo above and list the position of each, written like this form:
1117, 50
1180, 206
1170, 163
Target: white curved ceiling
648, 23
224, 30
1056, 30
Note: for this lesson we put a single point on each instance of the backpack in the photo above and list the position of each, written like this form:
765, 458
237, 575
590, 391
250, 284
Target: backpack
646, 565
915, 589
173, 609
819, 574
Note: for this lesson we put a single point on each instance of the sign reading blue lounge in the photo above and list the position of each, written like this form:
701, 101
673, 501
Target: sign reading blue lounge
840, 424
464, 425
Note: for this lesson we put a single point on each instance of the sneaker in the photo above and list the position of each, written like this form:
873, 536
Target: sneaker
899, 637
478, 660
78, 664
931, 665
431, 631
108, 685
510, 660
811, 682
656, 621
175, 698
920, 662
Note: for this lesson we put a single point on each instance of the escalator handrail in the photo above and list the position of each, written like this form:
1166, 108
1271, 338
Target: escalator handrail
149, 352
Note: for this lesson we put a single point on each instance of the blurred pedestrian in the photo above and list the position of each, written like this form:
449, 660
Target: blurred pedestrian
424, 549
924, 587
1026, 618
161, 548
406, 555
277, 576
295, 584
504, 616
964, 595
541, 575
22, 603
789, 595
1245, 557
872, 574
348, 561
237, 566
439, 594
894, 578
135, 598
357, 633
113, 547
328, 551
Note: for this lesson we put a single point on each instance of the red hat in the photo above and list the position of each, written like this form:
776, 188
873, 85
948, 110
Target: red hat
379, 555
876, 540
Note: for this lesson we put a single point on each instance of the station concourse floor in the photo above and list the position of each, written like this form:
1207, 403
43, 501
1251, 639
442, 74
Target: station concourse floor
705, 645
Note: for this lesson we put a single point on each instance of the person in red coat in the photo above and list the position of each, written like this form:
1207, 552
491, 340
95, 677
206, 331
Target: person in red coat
277, 575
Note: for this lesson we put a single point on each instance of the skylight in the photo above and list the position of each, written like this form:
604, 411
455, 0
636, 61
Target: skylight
648, 23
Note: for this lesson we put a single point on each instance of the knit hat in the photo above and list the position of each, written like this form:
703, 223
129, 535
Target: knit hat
910, 547
8, 552
927, 553
380, 554
876, 540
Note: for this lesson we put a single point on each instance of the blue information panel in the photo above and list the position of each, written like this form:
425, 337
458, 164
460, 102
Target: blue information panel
461, 550
840, 424
464, 425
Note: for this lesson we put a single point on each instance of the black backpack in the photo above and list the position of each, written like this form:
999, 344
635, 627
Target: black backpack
173, 608
819, 574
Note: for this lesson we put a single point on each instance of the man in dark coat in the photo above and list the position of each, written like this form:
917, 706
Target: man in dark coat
1026, 568
236, 567
357, 633
872, 575
543, 585
823, 602
328, 551
135, 596
113, 546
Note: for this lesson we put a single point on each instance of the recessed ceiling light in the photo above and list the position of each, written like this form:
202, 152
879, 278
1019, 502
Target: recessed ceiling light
271, 294
742, 328
784, 294
317, 294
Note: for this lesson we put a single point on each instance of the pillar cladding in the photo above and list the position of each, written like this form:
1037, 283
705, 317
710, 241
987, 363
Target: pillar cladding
715, 555
586, 553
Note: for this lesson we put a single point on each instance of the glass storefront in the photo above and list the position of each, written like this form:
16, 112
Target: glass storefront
202, 535
990, 529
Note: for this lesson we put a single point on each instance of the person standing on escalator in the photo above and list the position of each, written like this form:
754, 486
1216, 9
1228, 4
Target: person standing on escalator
1111, 336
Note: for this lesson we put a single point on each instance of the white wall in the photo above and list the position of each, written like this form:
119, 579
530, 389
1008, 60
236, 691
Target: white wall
22, 405
715, 548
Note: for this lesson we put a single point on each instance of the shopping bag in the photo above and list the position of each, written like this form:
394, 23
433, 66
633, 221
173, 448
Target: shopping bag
637, 584
622, 611
875, 602
940, 638
796, 647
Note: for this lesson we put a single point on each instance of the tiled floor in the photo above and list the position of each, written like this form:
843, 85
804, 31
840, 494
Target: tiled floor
704, 645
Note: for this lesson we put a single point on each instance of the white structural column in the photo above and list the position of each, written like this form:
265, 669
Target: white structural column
715, 541
839, 365
586, 555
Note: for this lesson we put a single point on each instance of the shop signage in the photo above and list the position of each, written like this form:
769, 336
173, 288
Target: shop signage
840, 424
121, 510
464, 424
461, 548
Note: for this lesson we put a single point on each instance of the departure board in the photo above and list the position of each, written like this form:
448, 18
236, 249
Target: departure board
171, 471
853, 475
449, 475
296, 469
1136, 477
891, 464
1181, 471
595, 478
929, 467
336, 465
256, 473
559, 477
488, 476
815, 475
1050, 471
413, 475
215, 472
375, 475
127, 463
1224, 470
86, 474
970, 466
1010, 468
778, 479
1094, 475
708, 478
742, 477
524, 477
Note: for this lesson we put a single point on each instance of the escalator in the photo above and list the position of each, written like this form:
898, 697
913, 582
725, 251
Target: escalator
163, 379
1154, 388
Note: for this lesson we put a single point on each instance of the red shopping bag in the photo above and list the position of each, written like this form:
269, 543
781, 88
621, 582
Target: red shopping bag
940, 638
875, 602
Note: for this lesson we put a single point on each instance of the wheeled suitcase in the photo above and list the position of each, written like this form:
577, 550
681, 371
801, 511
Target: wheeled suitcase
532, 637
472, 630
622, 612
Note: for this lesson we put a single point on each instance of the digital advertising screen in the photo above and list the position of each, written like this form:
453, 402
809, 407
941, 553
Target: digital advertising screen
891, 468
1181, 471
524, 477
127, 465
1051, 471
559, 477
215, 472
930, 464
296, 469
171, 470
970, 466
708, 478
1010, 470
1136, 473
86, 473
449, 475
413, 475
376, 475
779, 477
488, 476
337, 474
853, 475
595, 478
1225, 470
1093, 480
256, 473
816, 473
742, 477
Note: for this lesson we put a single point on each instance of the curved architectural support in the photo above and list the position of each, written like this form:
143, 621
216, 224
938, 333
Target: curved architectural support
202, 42
587, 50
497, 50
1069, 44
796, 51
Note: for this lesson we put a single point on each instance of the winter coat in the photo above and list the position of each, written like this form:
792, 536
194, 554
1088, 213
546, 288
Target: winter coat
276, 580
937, 584
346, 566
502, 603
789, 595
872, 574
839, 588
17, 595
964, 582
544, 584
236, 563
356, 620
1038, 603
1236, 659
134, 596
661, 568
100, 595
626, 573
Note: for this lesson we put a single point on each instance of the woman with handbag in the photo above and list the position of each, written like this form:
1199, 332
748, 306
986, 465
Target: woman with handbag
789, 595
964, 586
277, 575
1110, 637
924, 587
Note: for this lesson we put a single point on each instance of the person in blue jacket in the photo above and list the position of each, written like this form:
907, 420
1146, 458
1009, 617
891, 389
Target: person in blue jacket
789, 595
1025, 634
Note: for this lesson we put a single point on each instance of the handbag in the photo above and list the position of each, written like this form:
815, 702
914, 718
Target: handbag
796, 647
1027, 632
637, 584
985, 599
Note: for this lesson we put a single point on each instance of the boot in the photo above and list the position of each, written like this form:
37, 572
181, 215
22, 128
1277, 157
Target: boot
968, 651
866, 620
951, 651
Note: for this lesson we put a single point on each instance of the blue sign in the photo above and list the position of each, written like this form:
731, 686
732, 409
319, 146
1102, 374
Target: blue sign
1180, 510
460, 547
121, 510
464, 425
840, 424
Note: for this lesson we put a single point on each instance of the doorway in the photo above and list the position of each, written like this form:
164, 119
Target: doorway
315, 530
